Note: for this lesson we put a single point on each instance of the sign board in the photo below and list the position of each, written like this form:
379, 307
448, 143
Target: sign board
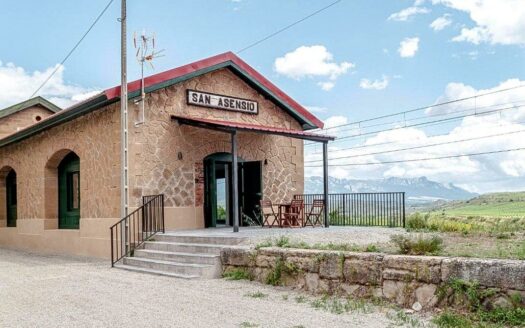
205, 99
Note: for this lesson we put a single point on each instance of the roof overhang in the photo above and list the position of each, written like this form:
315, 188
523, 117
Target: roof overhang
168, 78
229, 127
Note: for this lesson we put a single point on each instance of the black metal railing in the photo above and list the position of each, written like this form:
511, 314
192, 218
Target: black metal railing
363, 209
131, 232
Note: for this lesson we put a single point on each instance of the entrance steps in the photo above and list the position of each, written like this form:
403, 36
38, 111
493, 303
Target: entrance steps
180, 255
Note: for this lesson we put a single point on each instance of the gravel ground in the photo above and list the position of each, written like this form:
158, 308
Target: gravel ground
351, 235
53, 291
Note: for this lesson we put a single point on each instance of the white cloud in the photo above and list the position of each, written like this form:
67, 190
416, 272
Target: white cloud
407, 13
17, 85
312, 61
457, 90
441, 22
485, 173
497, 21
376, 84
326, 86
408, 47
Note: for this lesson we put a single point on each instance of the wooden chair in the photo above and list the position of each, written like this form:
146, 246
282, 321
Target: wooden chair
268, 212
314, 216
294, 215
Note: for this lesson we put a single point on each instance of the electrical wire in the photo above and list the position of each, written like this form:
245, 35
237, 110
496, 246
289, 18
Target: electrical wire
436, 122
419, 147
73, 49
422, 159
404, 121
427, 107
287, 27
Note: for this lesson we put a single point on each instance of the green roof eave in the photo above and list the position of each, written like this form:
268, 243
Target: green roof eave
36, 101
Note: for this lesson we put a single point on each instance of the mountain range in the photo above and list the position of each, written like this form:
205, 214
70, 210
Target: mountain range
418, 190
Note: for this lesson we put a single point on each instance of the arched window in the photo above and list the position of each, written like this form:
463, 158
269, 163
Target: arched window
69, 192
8, 184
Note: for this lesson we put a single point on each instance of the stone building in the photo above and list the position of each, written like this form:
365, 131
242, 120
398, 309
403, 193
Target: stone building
60, 169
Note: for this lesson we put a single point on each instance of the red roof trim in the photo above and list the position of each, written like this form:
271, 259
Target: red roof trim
254, 127
211, 61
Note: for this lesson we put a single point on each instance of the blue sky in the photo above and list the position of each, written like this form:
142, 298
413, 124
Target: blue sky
354, 46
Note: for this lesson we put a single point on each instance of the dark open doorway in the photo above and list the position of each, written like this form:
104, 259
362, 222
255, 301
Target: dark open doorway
218, 208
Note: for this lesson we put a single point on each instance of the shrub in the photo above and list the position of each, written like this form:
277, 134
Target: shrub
237, 274
418, 246
416, 221
443, 225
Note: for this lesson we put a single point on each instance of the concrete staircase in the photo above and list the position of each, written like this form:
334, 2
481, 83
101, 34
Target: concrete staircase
179, 255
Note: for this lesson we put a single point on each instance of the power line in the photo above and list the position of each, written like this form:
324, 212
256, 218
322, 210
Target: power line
287, 27
73, 49
427, 107
388, 142
422, 146
436, 122
422, 159
359, 127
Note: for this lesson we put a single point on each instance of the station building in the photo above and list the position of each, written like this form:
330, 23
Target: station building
60, 169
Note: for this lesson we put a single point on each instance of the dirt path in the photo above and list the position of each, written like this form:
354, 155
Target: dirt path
52, 291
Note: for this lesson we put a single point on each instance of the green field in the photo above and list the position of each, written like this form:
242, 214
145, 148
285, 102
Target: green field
499, 205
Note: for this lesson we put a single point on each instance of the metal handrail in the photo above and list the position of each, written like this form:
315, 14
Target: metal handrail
140, 225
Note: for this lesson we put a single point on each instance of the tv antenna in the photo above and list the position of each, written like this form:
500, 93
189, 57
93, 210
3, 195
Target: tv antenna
145, 45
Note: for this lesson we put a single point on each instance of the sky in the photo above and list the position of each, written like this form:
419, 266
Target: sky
353, 61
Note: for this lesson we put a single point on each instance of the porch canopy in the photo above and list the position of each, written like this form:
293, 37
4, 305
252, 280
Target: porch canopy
233, 127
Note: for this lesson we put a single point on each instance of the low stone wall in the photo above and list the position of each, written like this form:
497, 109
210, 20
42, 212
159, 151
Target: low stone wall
418, 282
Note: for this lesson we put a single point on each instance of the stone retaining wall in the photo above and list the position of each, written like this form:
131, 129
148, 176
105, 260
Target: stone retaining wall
418, 282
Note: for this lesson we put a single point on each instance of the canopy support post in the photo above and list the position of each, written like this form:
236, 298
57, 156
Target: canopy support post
235, 184
325, 184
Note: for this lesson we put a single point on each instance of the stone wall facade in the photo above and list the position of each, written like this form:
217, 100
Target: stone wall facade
156, 144
418, 282
95, 139
22, 119
155, 164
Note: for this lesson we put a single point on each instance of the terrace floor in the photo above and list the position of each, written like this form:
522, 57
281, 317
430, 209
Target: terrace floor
335, 234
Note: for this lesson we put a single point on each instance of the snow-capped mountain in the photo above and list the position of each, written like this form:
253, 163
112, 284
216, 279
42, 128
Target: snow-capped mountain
418, 190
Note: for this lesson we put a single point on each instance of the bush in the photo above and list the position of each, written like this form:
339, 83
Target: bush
237, 274
416, 221
418, 246
443, 225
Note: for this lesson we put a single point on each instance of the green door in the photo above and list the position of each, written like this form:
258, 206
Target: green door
11, 199
69, 192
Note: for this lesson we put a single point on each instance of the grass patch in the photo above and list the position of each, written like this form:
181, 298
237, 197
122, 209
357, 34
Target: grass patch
400, 318
301, 299
494, 318
337, 305
450, 221
286, 242
274, 276
471, 296
237, 274
246, 324
452, 320
418, 246
257, 294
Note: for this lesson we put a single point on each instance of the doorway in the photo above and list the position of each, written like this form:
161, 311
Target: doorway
10, 184
218, 195
69, 192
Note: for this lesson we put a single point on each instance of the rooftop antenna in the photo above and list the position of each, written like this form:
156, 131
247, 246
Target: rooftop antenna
145, 45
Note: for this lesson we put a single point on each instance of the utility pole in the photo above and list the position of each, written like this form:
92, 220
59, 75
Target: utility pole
123, 125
